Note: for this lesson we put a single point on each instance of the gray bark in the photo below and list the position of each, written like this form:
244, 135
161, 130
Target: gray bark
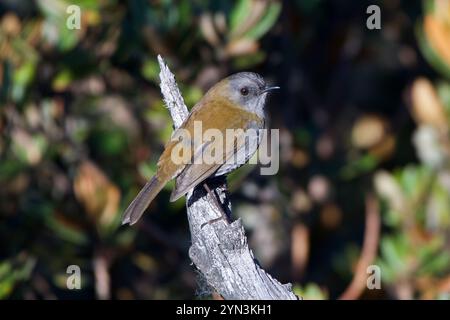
220, 249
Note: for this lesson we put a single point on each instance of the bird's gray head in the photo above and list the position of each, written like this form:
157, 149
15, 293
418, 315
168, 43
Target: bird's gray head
249, 90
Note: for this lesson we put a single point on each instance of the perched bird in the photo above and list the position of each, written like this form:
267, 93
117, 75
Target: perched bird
235, 103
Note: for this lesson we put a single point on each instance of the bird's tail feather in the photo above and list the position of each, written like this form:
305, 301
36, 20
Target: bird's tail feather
142, 200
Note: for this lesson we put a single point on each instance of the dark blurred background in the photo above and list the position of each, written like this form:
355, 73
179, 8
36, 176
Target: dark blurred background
364, 161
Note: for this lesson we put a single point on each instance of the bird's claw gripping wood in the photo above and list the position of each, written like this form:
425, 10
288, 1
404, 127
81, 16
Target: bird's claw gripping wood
219, 206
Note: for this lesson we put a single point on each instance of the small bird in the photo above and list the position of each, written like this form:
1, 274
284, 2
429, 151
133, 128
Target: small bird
236, 102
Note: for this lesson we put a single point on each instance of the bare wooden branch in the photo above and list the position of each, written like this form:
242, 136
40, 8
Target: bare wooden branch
172, 96
220, 249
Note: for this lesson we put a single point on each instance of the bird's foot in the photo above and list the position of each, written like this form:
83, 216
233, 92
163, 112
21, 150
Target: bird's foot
223, 215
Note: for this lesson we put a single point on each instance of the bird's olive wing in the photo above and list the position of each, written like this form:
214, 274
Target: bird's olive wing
194, 173
206, 162
219, 115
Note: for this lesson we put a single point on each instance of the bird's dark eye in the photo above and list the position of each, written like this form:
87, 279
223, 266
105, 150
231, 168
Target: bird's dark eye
244, 91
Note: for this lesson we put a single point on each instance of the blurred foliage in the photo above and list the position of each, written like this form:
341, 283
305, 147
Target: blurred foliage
414, 257
82, 124
310, 292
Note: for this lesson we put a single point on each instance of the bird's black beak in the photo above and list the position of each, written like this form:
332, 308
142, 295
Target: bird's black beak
267, 89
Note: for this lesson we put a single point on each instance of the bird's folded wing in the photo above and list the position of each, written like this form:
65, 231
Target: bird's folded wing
194, 173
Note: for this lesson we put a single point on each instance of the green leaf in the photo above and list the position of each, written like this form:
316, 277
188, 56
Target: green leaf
428, 6
25, 73
394, 251
12, 271
388, 275
443, 89
266, 22
22, 78
111, 141
62, 80
147, 169
150, 70
239, 14
393, 218
6, 287
10, 168
310, 292
248, 61
430, 55
191, 94
360, 166
439, 263
5, 269
414, 180
67, 233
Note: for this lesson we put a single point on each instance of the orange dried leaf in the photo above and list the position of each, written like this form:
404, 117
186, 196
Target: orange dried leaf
437, 32
426, 106
299, 248
368, 131
242, 46
99, 196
